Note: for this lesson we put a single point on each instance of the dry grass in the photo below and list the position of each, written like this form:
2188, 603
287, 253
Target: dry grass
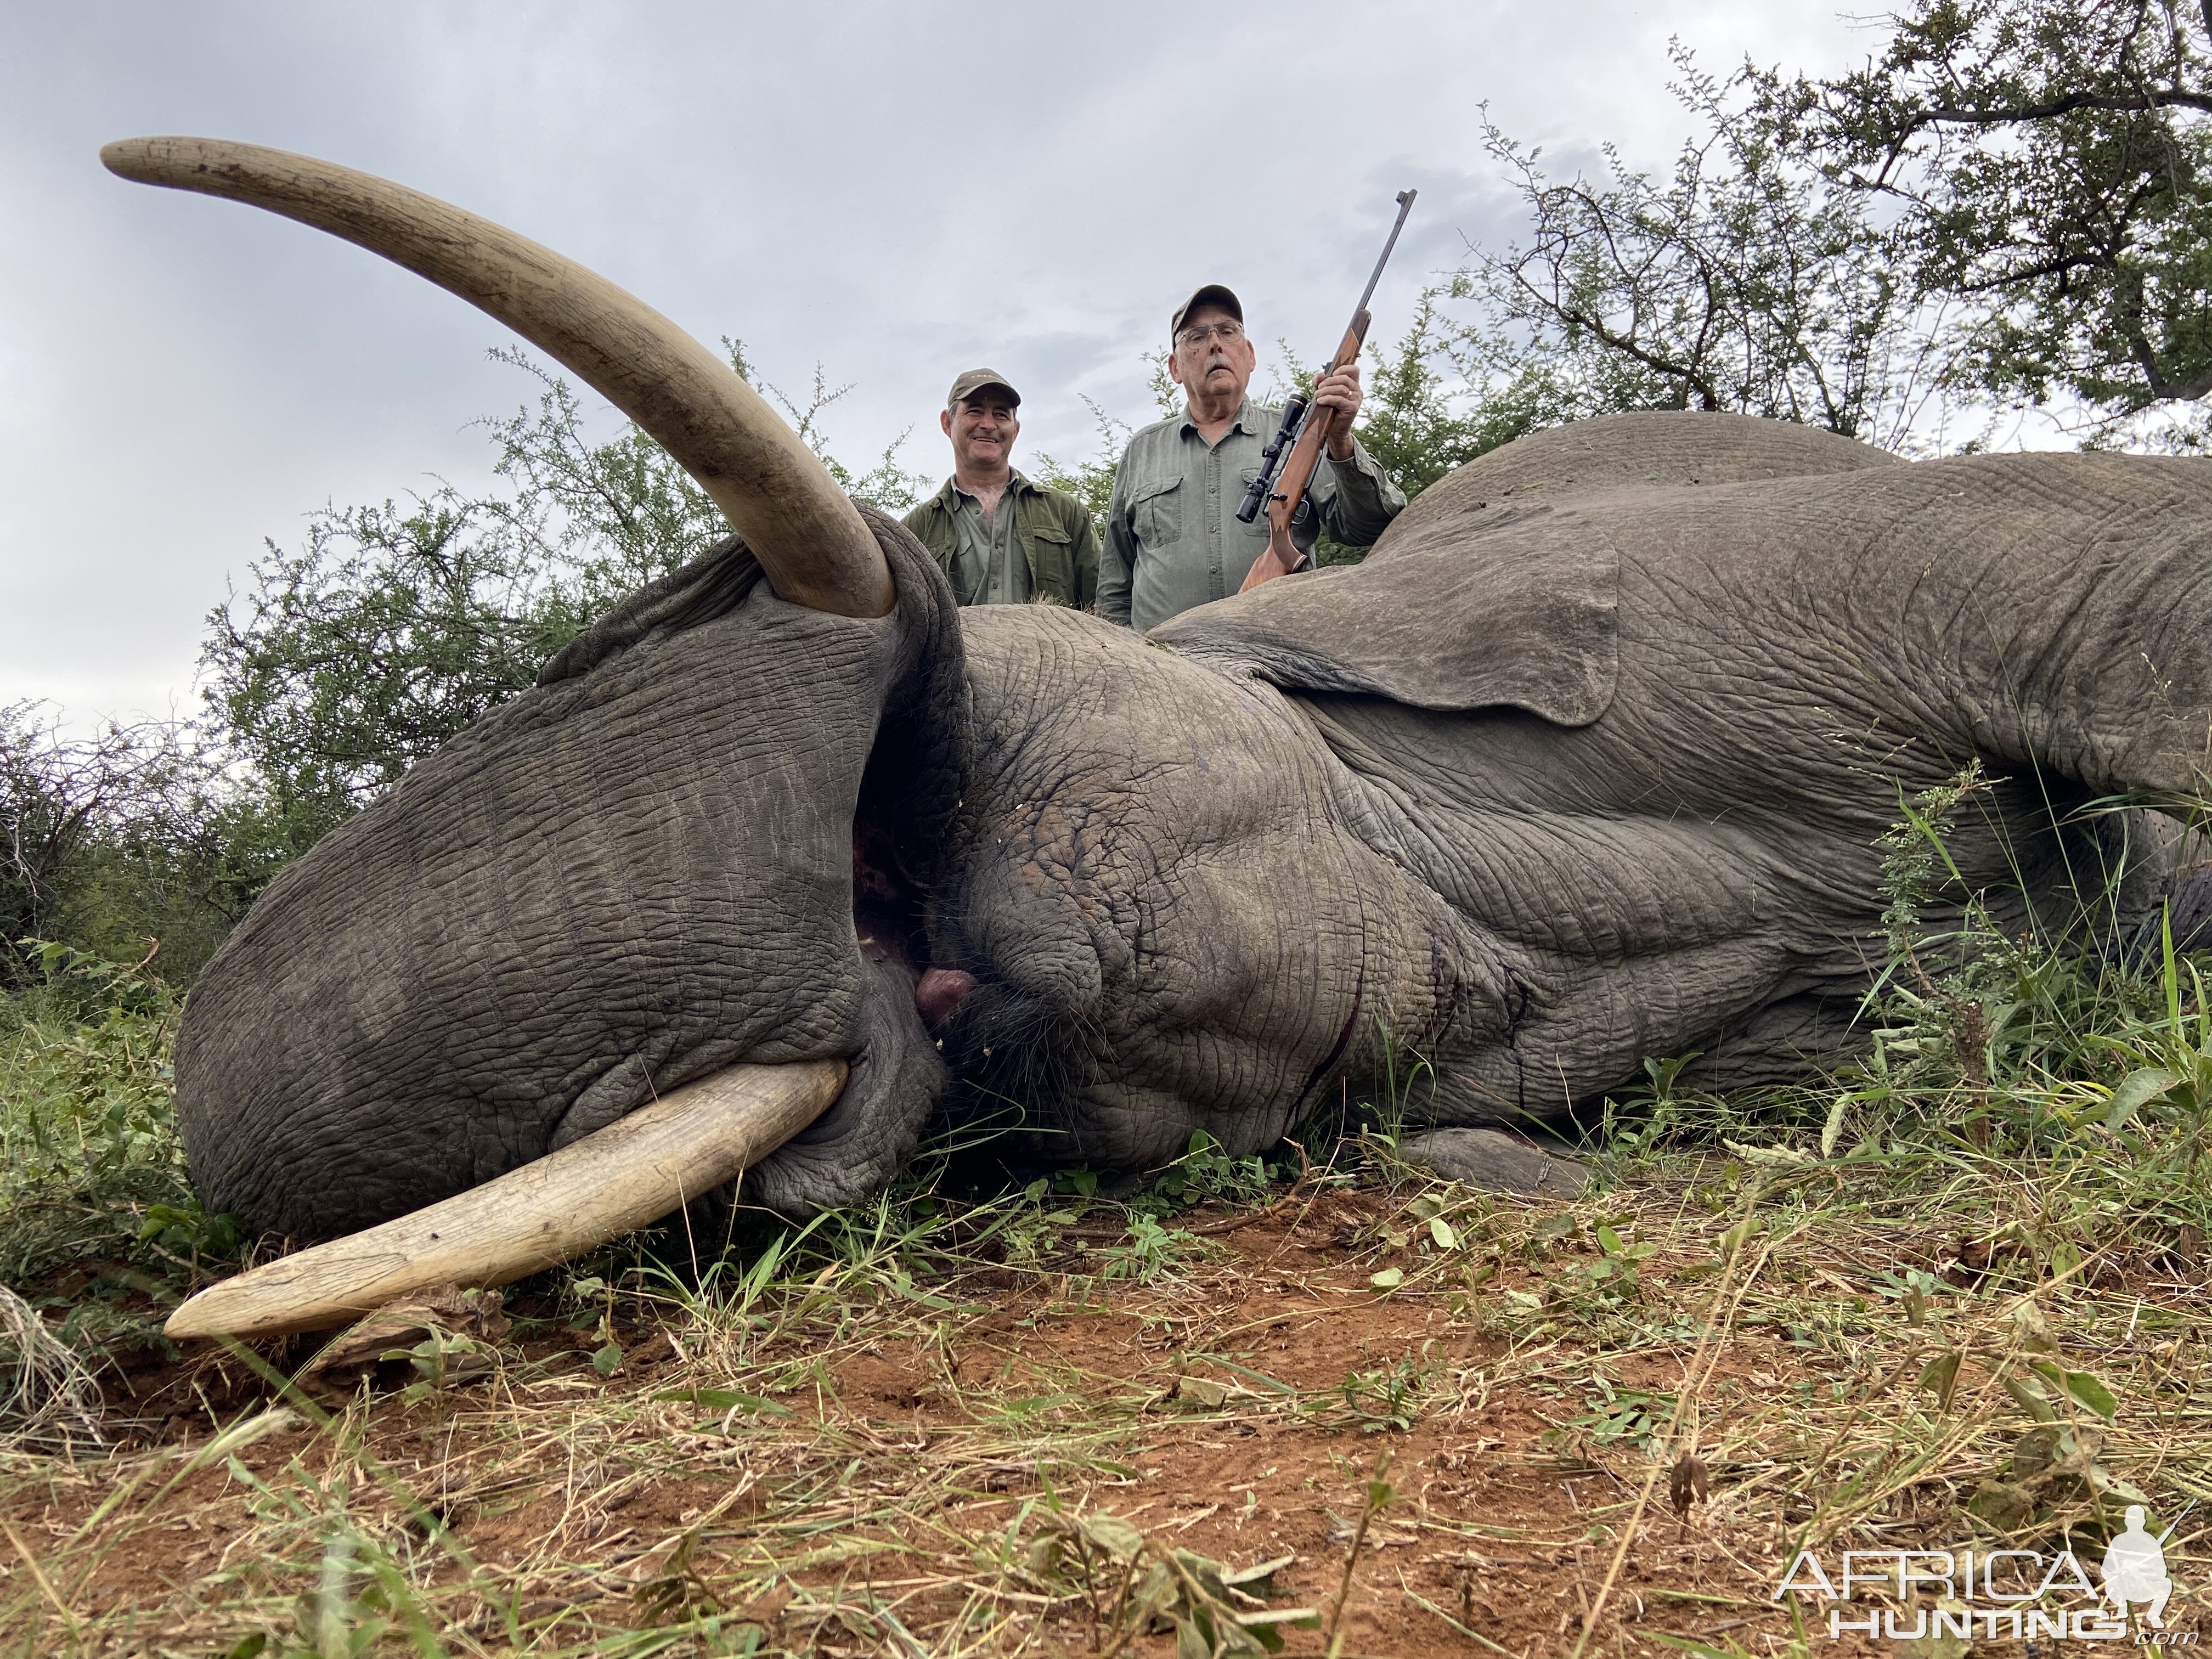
893, 1441
48, 1399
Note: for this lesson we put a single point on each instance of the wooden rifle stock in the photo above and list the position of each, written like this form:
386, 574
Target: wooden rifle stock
1282, 556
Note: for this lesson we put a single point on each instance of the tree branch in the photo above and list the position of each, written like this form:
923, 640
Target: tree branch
2169, 98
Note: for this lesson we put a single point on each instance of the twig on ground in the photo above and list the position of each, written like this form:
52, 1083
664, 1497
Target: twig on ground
1712, 1338
1376, 1494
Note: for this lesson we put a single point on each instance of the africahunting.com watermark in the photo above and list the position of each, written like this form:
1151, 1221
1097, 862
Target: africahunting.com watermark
2022, 1595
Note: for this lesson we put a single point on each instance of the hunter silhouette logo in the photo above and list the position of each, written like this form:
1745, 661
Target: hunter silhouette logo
2134, 1570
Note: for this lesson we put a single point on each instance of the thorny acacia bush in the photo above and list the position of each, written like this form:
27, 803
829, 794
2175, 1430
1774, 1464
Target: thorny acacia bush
1742, 282
2046, 166
127, 843
394, 627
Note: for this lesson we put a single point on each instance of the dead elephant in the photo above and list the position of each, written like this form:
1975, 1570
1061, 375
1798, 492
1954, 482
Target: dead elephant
1588, 762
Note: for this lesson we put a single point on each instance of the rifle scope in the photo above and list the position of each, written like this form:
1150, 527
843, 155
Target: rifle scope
1294, 414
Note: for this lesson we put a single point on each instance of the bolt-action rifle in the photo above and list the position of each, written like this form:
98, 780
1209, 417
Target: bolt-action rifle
1284, 493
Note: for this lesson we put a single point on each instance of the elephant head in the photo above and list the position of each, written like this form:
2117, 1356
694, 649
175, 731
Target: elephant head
637, 874
774, 809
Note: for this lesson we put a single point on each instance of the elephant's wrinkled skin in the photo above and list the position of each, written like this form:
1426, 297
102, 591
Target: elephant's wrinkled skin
1587, 763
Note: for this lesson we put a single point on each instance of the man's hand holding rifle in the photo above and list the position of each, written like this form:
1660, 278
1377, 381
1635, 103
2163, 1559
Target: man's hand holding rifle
1174, 537
1307, 426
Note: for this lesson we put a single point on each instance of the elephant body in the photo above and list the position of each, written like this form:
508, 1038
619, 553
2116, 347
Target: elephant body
1588, 762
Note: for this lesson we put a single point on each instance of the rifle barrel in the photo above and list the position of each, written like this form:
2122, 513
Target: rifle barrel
1405, 207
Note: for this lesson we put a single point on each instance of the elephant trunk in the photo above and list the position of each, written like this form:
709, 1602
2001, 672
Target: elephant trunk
809, 539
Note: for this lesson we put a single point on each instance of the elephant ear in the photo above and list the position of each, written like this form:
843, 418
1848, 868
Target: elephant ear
1522, 617
712, 585
1497, 587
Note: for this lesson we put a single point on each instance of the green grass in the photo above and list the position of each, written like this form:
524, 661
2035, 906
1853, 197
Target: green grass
98, 1221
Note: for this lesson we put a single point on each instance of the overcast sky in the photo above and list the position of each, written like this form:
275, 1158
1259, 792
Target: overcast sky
897, 191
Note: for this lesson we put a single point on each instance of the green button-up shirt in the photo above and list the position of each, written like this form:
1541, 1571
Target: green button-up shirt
1054, 543
1172, 537
987, 568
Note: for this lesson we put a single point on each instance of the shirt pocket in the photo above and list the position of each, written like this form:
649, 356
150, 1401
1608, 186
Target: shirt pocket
1157, 514
1051, 563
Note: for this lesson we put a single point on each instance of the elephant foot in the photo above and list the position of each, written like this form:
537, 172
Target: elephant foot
1492, 1161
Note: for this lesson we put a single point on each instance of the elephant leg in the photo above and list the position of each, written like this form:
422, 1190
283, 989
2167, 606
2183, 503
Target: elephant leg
1495, 1161
1585, 1028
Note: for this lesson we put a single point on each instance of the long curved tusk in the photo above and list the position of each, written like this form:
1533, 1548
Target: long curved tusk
634, 1171
808, 536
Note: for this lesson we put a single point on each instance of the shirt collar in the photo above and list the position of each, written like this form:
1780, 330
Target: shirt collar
1243, 421
954, 494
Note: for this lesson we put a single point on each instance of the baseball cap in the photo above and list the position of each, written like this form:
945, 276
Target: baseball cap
1213, 293
975, 380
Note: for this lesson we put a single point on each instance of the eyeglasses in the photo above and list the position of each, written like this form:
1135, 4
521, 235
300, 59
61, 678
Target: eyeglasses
1227, 333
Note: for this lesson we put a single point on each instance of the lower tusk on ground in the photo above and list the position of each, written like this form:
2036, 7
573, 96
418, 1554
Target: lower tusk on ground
632, 1172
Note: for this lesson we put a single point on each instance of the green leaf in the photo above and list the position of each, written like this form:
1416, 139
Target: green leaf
1388, 1280
1258, 1572
2030, 1398
2136, 1091
1833, 1131
1202, 1391
1440, 1231
2030, 1330
2087, 1391
1266, 1623
1113, 1534
1940, 1376
604, 1361
1608, 1240
726, 1400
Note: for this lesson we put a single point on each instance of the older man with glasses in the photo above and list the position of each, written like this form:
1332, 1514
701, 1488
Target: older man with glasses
1172, 536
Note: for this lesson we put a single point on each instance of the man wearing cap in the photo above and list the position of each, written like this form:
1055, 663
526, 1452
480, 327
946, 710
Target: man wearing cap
1172, 536
1002, 539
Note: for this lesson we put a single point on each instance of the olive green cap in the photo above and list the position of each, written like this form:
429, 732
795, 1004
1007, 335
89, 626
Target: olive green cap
975, 380
1211, 294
